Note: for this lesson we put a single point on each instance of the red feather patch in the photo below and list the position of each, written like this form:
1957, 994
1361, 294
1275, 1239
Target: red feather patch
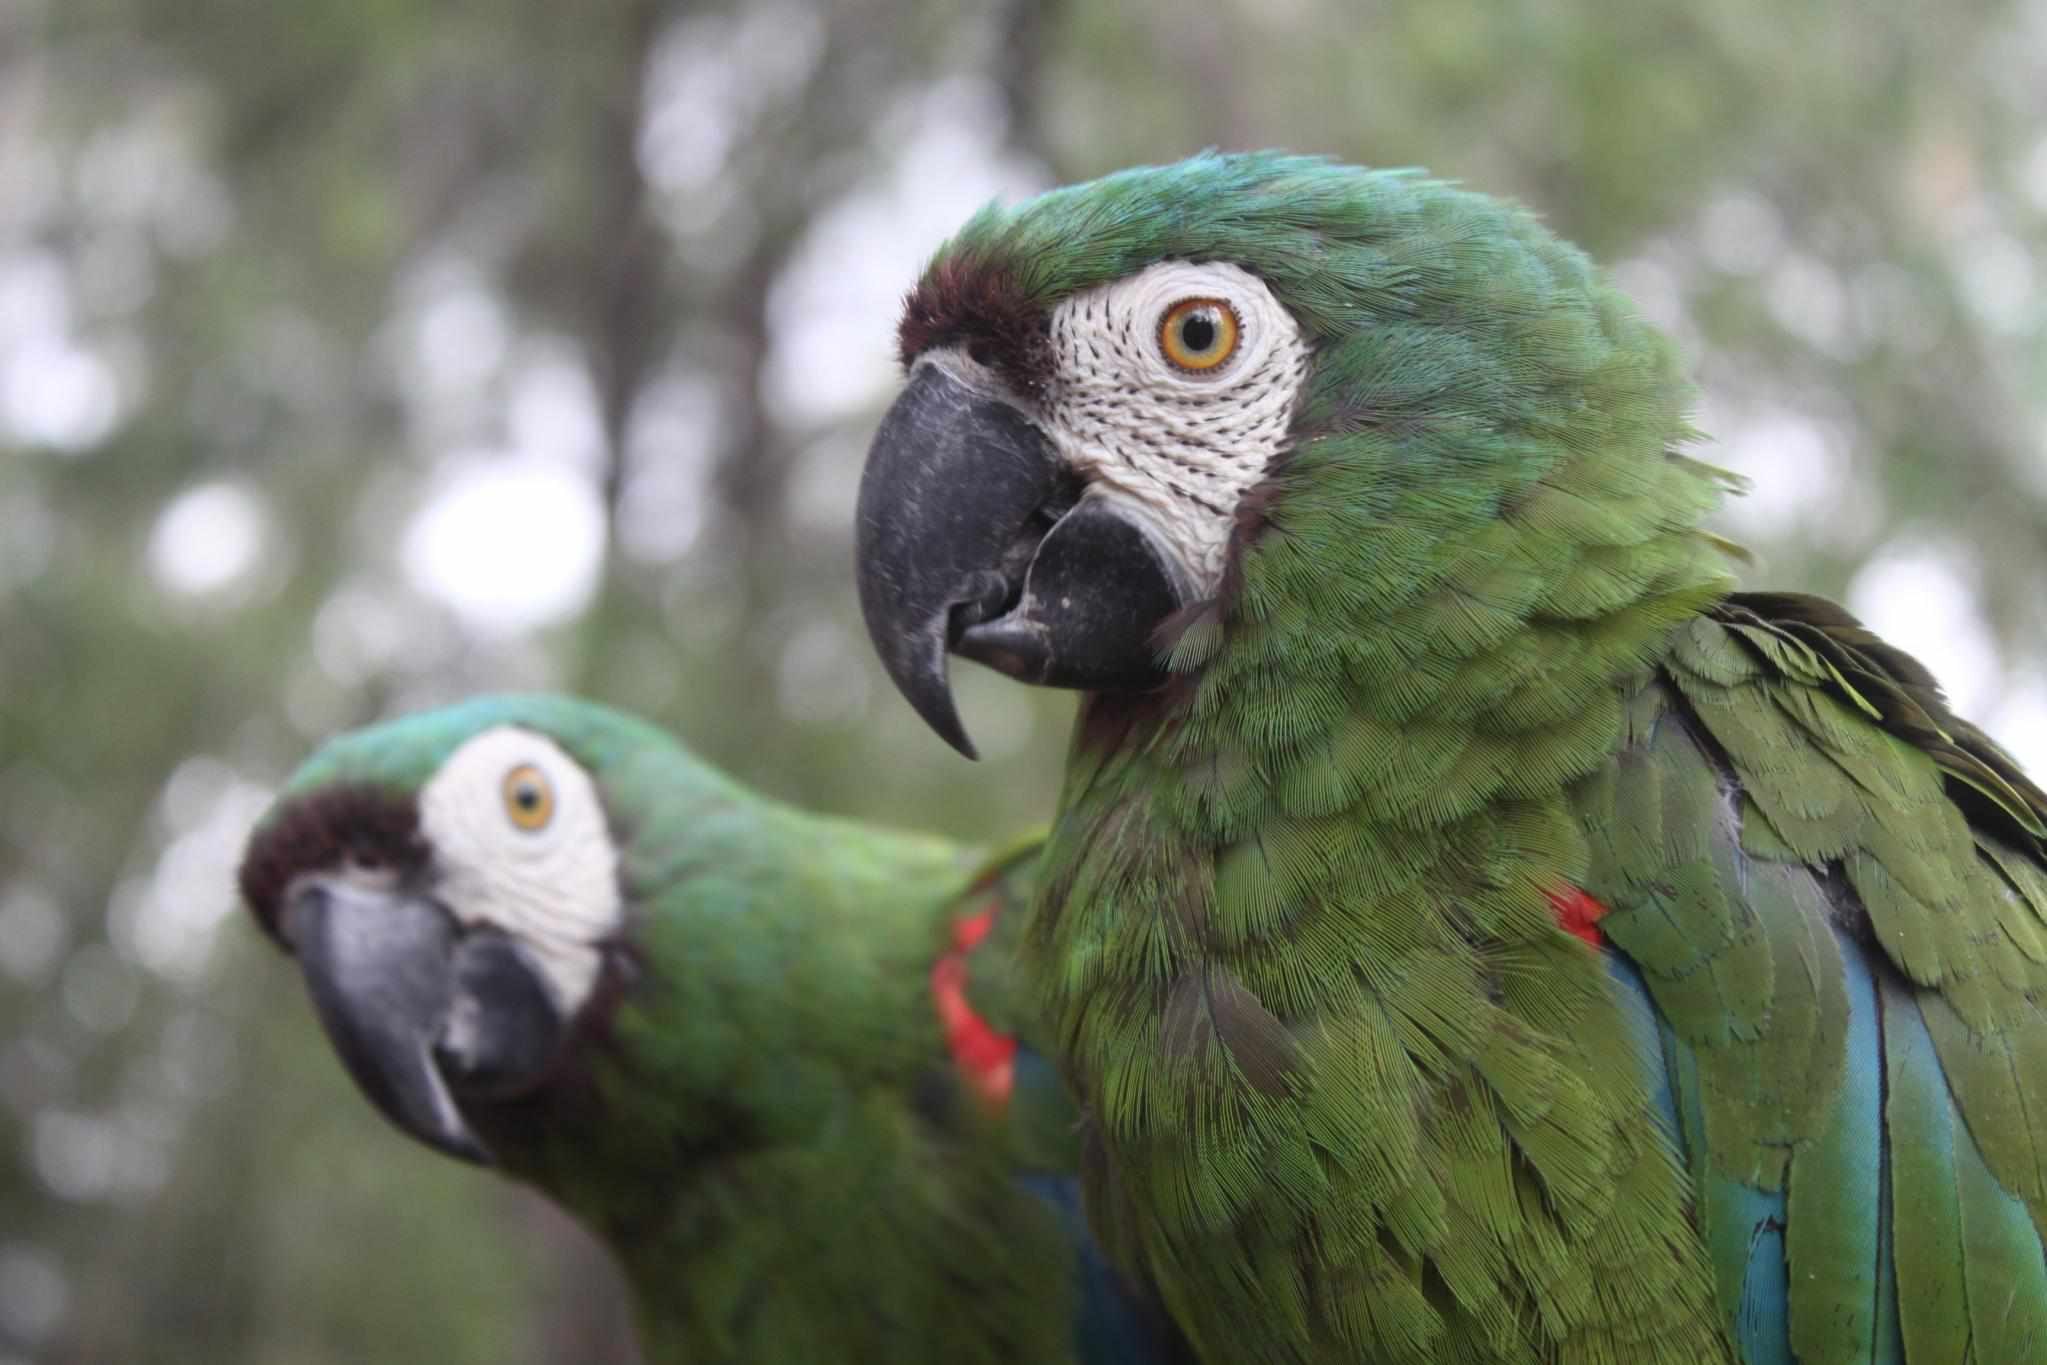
986, 1059
1578, 914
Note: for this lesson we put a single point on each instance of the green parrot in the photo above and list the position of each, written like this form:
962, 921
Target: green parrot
768, 1057
1475, 932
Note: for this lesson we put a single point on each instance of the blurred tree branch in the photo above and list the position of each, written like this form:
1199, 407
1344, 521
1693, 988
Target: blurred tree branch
623, 246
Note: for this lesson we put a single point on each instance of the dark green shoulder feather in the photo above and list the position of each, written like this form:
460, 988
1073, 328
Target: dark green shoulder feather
1898, 692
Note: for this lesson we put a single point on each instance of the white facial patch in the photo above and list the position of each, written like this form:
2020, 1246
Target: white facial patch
1178, 445
552, 883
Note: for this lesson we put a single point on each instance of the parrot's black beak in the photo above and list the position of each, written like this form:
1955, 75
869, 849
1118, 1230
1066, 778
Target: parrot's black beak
972, 538
420, 1010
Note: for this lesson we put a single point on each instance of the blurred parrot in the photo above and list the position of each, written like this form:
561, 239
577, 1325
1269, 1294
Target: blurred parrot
1474, 930
767, 1056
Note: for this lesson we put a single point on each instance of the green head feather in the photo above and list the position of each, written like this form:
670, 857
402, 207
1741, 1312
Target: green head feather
1486, 417
404, 753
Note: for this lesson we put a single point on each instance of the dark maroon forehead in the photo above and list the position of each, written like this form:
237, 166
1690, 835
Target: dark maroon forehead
979, 306
331, 827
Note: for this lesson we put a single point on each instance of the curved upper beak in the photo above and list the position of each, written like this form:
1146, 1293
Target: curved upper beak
972, 538
418, 1009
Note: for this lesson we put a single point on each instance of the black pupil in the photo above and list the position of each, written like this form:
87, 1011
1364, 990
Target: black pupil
1197, 331
527, 795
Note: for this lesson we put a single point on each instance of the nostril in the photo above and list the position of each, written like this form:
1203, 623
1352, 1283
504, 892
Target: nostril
307, 899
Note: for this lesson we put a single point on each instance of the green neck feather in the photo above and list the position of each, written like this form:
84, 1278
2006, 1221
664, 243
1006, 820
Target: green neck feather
1415, 561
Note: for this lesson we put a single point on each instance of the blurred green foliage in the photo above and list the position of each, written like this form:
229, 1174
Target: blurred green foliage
295, 300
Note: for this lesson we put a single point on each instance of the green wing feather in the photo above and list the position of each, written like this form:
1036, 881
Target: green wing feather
1850, 958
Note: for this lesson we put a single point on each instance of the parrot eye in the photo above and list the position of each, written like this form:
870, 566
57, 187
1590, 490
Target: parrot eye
1198, 334
529, 797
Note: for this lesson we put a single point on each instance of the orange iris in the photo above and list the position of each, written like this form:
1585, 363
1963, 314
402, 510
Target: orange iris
1198, 334
529, 797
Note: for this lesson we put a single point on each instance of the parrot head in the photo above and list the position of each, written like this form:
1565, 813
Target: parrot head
1113, 388
450, 886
